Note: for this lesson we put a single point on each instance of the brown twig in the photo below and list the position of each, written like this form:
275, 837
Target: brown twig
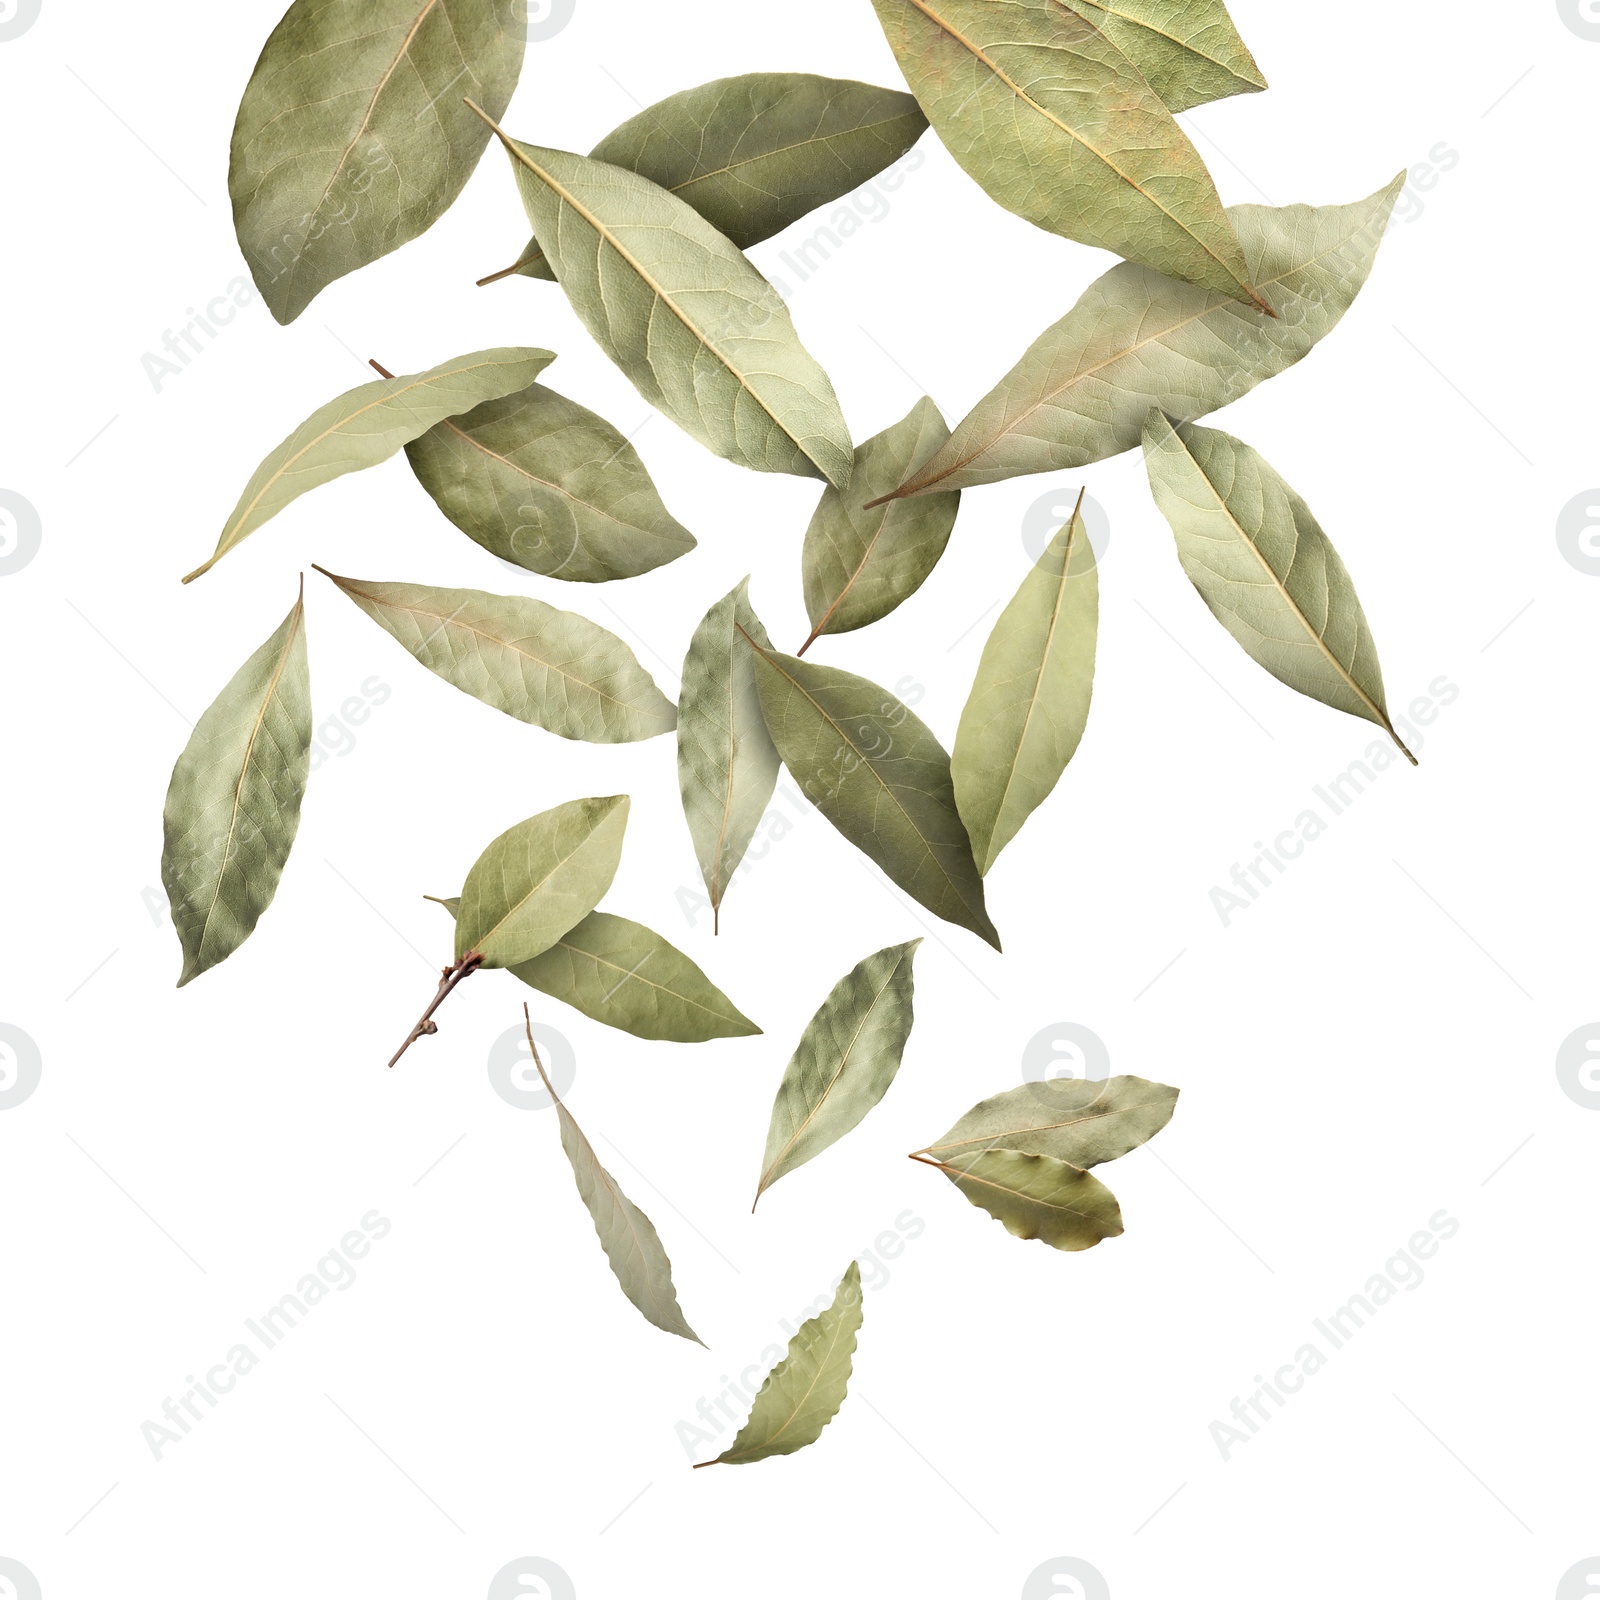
383, 372
450, 977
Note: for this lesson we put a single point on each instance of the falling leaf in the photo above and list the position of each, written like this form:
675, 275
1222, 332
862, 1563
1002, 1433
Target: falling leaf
1036, 1197
1082, 1121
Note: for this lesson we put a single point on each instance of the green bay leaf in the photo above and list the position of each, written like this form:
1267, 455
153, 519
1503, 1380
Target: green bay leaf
1188, 50
1036, 1197
1082, 1121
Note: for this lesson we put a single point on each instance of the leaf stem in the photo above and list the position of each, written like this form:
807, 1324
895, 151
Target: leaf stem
527, 1023
450, 977
383, 372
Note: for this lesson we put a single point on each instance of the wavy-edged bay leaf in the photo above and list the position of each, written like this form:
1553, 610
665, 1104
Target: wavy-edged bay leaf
858, 565
547, 485
845, 1061
696, 329
367, 425
727, 763
1135, 339
1263, 565
1082, 1121
1188, 50
538, 879
754, 153
233, 805
352, 137
874, 769
1036, 1197
1030, 698
803, 1393
553, 668
1054, 123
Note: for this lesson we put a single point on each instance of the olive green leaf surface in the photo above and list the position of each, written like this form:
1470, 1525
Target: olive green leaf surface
727, 764
367, 425
755, 153
1049, 117
627, 1235
1264, 566
1135, 339
233, 806
877, 773
1188, 50
530, 660
858, 565
547, 485
1036, 1197
1082, 1121
352, 137
845, 1061
538, 879
699, 332
1030, 699
803, 1393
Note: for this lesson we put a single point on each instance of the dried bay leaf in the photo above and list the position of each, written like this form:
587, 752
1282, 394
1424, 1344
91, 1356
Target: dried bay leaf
1188, 50
233, 805
845, 1061
352, 137
1263, 565
1030, 698
1054, 123
367, 425
803, 1393
1036, 1197
536, 663
1082, 1121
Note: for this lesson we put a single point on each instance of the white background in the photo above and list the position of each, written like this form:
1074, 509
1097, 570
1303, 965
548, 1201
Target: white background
1371, 1042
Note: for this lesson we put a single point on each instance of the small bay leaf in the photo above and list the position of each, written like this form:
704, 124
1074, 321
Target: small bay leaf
803, 1393
552, 668
233, 805
1263, 565
1036, 1197
1082, 1121
1188, 50
845, 1061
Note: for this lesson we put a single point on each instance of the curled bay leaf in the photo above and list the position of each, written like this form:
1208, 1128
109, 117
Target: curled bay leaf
1189, 51
1263, 565
1082, 1121
858, 565
845, 1061
536, 663
233, 805
367, 425
803, 1393
1049, 117
1030, 699
547, 485
352, 137
1136, 339
754, 153
1036, 1197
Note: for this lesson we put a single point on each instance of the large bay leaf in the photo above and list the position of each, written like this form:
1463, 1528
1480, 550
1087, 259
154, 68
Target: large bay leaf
553, 668
545, 484
1082, 1121
1030, 699
727, 764
875, 771
627, 1235
1188, 50
1036, 1197
1050, 118
845, 1061
803, 1393
367, 425
858, 565
755, 153
700, 333
1264, 566
538, 879
233, 806
1135, 339
352, 136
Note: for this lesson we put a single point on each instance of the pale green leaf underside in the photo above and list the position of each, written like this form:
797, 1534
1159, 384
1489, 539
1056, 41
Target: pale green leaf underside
553, 668
233, 806
803, 1393
845, 1061
1082, 1121
1189, 51
1037, 1197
